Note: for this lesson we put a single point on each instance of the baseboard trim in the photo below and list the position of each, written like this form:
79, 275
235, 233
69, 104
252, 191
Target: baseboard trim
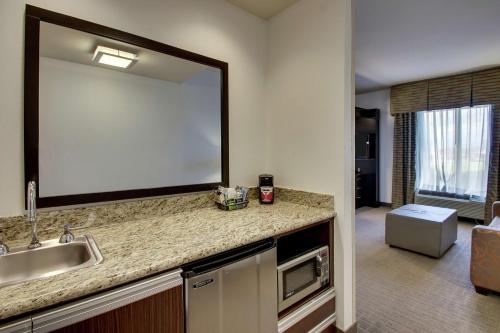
352, 329
385, 204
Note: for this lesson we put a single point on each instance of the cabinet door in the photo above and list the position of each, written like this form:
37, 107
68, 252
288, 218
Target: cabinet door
160, 313
152, 305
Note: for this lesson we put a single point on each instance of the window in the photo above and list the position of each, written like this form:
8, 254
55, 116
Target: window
452, 152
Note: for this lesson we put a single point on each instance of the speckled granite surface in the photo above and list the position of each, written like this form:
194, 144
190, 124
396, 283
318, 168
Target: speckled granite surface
50, 222
305, 198
150, 236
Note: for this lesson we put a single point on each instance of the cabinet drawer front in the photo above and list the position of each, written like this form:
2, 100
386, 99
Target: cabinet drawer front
96, 305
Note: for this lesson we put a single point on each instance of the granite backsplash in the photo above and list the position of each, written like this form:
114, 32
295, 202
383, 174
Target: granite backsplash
50, 223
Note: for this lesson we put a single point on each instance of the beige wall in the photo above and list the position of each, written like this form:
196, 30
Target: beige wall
310, 119
210, 27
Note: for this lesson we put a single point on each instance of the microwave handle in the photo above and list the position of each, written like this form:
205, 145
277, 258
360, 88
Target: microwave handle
319, 264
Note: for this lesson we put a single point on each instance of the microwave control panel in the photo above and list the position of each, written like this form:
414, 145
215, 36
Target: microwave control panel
324, 265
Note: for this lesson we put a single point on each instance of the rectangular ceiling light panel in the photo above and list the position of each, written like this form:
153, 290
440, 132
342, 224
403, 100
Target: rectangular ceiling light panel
112, 57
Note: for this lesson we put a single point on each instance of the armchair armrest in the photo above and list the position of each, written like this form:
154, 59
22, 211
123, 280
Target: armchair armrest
485, 257
496, 209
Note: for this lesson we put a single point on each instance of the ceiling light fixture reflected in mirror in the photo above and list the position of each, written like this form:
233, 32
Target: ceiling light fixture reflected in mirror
112, 57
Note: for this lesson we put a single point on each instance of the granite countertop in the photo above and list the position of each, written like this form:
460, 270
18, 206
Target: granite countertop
152, 243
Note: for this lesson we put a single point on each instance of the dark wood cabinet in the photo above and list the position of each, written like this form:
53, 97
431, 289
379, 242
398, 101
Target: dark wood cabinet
151, 305
367, 157
160, 313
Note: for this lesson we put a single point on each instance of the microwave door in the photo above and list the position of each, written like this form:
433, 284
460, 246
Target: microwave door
297, 279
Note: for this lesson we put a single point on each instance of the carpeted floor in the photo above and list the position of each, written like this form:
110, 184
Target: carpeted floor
400, 291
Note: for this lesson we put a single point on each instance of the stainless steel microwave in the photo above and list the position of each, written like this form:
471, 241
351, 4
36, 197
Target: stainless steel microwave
301, 276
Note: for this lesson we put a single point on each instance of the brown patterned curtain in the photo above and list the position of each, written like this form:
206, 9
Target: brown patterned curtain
493, 192
450, 92
403, 160
486, 90
470, 89
405, 100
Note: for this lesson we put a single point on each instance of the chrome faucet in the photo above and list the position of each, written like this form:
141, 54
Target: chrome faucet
31, 217
67, 236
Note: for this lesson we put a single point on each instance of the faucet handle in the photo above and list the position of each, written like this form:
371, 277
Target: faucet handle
4, 249
67, 236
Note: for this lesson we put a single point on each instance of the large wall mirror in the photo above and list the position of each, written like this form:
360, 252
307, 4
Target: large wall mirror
111, 116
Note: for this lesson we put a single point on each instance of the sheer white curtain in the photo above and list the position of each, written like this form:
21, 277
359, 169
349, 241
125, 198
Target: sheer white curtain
452, 152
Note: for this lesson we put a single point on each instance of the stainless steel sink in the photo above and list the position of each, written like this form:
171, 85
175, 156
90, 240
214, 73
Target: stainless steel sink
52, 258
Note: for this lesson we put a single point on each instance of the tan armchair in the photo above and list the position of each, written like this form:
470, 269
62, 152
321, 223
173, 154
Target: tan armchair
485, 256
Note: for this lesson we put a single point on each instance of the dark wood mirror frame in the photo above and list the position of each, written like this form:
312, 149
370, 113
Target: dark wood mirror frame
31, 113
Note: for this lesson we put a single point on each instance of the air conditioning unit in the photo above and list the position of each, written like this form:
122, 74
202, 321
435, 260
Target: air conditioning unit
465, 208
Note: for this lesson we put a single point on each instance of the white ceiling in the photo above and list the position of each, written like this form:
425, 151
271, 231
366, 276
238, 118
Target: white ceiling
76, 46
405, 40
263, 8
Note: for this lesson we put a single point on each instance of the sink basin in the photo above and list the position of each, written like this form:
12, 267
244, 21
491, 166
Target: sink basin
52, 258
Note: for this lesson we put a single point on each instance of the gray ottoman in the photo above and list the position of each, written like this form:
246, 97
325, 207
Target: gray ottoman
423, 229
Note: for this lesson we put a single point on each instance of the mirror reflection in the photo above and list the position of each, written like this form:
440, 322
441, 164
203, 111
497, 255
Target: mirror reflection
115, 117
